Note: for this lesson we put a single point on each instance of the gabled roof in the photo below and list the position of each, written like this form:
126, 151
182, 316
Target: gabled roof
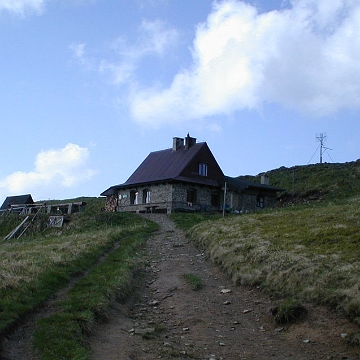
171, 165
17, 200
180, 164
164, 165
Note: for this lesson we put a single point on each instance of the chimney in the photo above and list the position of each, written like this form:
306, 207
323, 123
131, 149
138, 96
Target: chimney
177, 143
265, 179
189, 141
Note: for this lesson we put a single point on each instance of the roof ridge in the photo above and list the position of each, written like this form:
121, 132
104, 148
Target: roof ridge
182, 147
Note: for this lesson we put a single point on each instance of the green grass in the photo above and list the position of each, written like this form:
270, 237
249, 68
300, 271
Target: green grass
186, 221
306, 253
327, 181
36, 266
194, 280
64, 334
289, 311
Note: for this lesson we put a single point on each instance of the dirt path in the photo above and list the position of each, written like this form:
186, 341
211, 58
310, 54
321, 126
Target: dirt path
167, 319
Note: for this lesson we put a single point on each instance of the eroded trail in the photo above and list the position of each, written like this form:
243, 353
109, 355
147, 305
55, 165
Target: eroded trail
167, 319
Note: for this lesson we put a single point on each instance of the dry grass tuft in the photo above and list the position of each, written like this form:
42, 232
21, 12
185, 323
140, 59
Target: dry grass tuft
289, 311
308, 253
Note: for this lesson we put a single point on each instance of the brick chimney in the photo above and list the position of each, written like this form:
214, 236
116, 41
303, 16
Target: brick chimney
177, 143
265, 179
189, 141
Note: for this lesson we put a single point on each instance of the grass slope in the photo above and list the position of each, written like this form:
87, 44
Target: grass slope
307, 252
303, 253
326, 181
42, 262
311, 254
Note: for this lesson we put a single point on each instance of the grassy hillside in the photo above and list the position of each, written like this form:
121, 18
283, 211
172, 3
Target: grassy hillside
45, 260
298, 255
307, 252
315, 182
9, 221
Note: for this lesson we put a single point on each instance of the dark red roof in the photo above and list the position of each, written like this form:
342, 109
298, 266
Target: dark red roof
163, 164
174, 165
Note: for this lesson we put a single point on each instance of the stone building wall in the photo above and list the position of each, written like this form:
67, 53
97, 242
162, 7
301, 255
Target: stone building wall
164, 198
241, 202
203, 198
160, 196
170, 197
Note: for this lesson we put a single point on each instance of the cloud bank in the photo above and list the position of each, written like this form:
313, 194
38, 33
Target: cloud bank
305, 57
22, 7
54, 169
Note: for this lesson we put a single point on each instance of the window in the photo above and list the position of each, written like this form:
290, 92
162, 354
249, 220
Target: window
191, 196
134, 197
215, 199
203, 169
146, 196
260, 201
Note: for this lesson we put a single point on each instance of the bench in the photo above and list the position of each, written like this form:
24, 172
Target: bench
151, 208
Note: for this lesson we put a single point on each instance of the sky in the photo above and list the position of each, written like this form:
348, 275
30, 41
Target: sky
88, 88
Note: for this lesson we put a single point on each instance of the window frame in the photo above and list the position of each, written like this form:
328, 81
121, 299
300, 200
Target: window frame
203, 169
215, 198
191, 195
146, 196
260, 201
134, 197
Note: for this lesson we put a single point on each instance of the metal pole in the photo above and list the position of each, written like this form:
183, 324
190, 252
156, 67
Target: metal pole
224, 200
293, 186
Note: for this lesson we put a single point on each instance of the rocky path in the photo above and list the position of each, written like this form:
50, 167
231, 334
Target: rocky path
166, 318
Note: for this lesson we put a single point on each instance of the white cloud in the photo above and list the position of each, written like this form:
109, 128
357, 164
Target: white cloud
154, 38
305, 57
82, 57
54, 169
22, 7
78, 49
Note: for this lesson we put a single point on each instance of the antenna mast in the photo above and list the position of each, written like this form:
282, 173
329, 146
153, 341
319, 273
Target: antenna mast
321, 138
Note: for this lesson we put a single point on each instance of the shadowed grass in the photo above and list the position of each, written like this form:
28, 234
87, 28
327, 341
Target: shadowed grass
306, 253
290, 310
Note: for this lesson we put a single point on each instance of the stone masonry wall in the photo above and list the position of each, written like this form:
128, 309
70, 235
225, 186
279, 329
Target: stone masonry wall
169, 197
166, 197
160, 195
248, 202
203, 197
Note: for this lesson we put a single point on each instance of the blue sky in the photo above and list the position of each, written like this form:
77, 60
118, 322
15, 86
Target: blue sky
88, 88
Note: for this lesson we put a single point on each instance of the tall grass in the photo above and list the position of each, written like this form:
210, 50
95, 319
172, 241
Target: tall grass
64, 335
306, 253
34, 267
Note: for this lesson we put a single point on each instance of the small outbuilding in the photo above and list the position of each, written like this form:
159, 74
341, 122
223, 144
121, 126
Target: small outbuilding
17, 200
